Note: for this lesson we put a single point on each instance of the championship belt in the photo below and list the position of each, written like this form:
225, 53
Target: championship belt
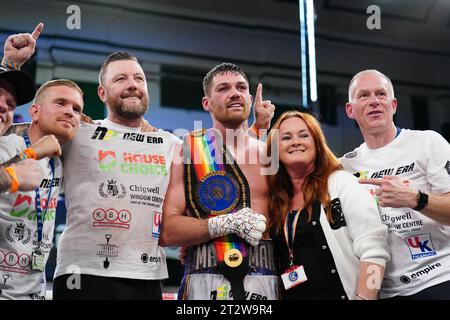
215, 185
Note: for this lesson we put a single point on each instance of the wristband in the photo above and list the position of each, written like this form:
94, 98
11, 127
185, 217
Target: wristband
28, 153
256, 131
14, 180
9, 64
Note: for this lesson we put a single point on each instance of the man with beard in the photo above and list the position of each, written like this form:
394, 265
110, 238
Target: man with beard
216, 202
115, 181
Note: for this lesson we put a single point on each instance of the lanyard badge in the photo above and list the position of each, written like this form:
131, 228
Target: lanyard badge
295, 274
37, 260
37, 257
293, 277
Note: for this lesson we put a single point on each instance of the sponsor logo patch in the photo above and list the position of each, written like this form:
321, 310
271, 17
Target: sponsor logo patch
14, 262
420, 246
107, 250
18, 233
420, 273
351, 155
112, 190
156, 228
111, 218
102, 133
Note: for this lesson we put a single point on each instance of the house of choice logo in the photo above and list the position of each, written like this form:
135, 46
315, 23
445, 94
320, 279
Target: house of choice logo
24, 205
132, 163
156, 228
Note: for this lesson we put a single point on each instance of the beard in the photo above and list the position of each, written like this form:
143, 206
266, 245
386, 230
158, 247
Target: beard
129, 110
63, 134
233, 119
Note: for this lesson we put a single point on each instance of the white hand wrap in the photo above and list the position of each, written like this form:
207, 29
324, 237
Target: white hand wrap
245, 223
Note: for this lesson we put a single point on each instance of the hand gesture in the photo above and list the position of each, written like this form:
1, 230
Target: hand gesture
263, 109
20, 47
393, 192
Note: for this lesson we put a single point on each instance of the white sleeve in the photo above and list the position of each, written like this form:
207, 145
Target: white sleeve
438, 163
10, 146
362, 217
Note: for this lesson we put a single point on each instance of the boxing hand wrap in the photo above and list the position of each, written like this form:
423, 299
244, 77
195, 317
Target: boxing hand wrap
245, 223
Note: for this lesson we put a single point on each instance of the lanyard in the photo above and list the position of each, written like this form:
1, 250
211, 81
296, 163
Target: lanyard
289, 234
39, 215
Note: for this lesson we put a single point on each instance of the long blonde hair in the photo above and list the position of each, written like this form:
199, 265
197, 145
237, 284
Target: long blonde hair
316, 183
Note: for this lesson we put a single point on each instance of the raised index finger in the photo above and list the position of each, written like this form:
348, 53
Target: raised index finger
377, 182
258, 97
37, 31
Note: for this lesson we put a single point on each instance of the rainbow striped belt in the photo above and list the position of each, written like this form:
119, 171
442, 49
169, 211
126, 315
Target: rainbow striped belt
214, 186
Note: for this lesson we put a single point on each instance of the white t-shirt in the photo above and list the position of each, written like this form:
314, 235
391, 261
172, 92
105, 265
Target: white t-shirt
18, 227
115, 183
420, 246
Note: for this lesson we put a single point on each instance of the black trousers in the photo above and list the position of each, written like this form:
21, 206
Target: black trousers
105, 288
440, 291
